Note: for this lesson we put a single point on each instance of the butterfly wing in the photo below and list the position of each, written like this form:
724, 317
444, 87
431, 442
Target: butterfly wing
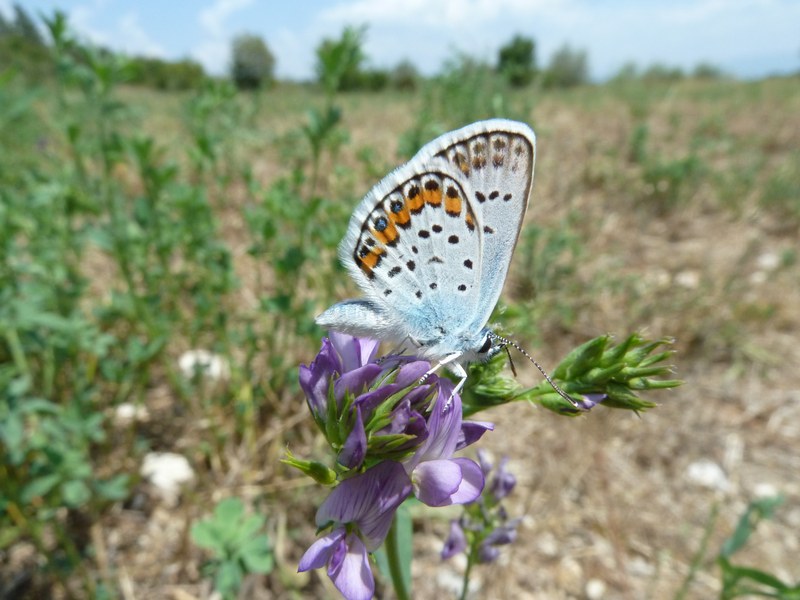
413, 246
495, 159
430, 244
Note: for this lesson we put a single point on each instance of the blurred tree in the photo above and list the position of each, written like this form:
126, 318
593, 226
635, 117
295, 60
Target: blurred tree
661, 72
339, 61
517, 61
166, 75
25, 27
405, 76
567, 68
22, 46
253, 64
706, 70
627, 72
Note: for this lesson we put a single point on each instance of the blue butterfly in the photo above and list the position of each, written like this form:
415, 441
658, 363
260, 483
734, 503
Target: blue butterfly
430, 245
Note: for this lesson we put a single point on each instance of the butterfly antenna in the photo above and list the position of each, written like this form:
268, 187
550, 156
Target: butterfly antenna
510, 361
507, 342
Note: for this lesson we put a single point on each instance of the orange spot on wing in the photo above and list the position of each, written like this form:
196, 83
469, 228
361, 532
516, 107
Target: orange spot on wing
401, 217
452, 205
388, 235
470, 221
370, 261
415, 202
432, 197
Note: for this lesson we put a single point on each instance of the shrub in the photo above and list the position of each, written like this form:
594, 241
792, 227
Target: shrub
567, 68
253, 64
517, 61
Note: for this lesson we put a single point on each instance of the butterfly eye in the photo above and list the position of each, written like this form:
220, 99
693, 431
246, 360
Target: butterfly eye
486, 346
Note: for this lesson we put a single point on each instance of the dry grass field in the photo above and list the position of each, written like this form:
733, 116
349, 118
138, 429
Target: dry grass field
672, 209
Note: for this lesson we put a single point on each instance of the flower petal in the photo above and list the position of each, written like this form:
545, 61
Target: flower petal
503, 482
472, 481
355, 446
412, 372
456, 542
320, 551
435, 481
355, 381
352, 575
316, 377
369, 500
471, 432
354, 352
444, 427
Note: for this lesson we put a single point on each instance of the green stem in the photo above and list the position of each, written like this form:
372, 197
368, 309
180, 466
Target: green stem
697, 559
17, 352
394, 560
467, 570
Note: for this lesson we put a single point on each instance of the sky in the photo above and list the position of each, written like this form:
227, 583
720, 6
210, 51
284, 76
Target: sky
745, 38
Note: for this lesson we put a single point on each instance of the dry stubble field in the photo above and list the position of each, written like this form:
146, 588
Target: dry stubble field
681, 207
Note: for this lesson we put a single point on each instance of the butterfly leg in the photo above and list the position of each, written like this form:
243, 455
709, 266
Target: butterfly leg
457, 370
445, 361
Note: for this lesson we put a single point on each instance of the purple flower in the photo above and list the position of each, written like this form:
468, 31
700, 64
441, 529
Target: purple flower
503, 481
360, 510
500, 536
378, 413
439, 479
589, 401
456, 542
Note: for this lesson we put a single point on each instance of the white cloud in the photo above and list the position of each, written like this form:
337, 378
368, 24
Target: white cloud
214, 51
448, 14
81, 19
133, 39
126, 34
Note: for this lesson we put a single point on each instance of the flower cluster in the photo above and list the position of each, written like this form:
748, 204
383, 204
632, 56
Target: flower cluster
393, 436
484, 526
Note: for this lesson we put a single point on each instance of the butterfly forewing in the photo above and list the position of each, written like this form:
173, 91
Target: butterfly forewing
417, 251
497, 168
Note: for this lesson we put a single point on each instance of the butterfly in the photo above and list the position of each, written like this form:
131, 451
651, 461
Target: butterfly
431, 243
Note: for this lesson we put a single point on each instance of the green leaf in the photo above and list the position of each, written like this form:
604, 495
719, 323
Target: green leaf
763, 508
40, 487
115, 488
395, 563
76, 493
256, 554
229, 578
204, 534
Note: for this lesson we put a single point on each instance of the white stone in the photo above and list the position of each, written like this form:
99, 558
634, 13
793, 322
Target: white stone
708, 474
167, 471
202, 361
127, 413
595, 589
769, 261
688, 279
765, 490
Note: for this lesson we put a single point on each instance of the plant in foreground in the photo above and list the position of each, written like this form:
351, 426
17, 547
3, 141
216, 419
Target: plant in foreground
394, 430
237, 546
484, 525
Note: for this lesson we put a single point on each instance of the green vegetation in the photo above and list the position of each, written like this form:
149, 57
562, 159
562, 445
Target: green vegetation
135, 225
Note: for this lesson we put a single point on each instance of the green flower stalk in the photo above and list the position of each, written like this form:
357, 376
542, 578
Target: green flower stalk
595, 372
